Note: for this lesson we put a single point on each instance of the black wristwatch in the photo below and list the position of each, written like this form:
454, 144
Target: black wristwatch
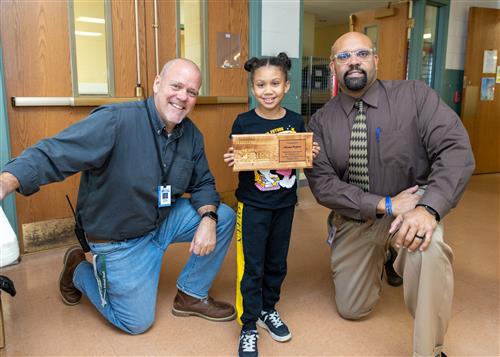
431, 211
211, 215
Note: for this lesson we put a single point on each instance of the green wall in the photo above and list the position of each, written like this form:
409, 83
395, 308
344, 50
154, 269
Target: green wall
292, 99
8, 204
452, 81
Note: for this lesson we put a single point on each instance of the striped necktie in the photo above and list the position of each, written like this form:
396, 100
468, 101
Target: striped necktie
358, 150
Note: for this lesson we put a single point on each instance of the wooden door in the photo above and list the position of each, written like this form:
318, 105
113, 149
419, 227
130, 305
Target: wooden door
35, 39
388, 28
482, 117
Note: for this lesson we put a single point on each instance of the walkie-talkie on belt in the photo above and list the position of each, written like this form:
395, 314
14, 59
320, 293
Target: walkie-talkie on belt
79, 232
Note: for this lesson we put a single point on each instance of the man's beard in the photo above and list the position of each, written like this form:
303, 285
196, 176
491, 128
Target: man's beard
357, 83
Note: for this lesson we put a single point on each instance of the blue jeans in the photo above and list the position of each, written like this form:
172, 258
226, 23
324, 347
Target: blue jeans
123, 281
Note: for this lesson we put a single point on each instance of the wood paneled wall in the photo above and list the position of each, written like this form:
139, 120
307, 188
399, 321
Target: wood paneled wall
124, 47
35, 40
167, 38
227, 16
31, 37
215, 121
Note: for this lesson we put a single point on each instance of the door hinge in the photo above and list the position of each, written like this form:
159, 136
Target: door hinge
411, 23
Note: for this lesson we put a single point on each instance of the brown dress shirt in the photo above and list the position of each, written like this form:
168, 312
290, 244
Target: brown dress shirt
414, 138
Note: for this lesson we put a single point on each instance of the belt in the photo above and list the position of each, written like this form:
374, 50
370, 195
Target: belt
359, 221
92, 239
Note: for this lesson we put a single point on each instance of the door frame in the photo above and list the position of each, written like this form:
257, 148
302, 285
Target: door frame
254, 39
417, 41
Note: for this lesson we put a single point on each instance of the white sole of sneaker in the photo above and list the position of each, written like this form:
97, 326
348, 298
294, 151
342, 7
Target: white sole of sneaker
274, 337
181, 313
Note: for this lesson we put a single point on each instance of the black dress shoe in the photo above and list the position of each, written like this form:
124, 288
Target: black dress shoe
393, 278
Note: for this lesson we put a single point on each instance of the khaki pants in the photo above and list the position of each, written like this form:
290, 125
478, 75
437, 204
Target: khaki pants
358, 255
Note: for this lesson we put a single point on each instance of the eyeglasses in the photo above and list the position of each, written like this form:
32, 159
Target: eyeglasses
363, 55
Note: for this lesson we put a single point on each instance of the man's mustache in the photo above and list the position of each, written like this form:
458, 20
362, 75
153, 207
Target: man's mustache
354, 67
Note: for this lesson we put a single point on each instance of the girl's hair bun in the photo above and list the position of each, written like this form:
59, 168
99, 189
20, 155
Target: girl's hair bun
283, 58
250, 64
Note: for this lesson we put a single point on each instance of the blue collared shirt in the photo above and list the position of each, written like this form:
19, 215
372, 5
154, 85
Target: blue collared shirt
114, 149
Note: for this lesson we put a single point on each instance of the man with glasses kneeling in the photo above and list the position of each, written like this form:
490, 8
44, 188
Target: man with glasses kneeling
395, 159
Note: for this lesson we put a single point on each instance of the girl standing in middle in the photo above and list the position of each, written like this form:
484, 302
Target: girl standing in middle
266, 203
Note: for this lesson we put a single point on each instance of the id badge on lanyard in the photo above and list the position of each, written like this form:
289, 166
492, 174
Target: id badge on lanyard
164, 196
164, 190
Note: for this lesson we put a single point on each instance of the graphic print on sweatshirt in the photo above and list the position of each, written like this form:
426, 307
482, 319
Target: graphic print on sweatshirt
270, 180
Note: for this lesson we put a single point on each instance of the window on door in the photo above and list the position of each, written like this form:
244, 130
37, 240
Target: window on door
428, 42
427, 72
191, 34
91, 49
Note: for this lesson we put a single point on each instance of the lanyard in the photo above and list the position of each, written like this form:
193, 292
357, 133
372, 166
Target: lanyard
164, 171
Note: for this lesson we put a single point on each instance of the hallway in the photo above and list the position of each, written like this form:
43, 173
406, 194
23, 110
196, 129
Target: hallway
37, 323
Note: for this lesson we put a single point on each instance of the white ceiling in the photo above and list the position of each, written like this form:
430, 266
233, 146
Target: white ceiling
336, 12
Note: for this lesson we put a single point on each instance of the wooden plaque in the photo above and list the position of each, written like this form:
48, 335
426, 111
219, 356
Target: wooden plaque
272, 151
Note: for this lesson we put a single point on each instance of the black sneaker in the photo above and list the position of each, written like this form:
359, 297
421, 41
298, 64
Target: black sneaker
248, 343
271, 321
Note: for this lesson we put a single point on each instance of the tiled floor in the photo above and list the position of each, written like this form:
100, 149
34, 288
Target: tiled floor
37, 323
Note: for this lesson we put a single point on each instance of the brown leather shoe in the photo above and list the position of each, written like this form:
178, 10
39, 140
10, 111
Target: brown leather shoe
208, 308
69, 294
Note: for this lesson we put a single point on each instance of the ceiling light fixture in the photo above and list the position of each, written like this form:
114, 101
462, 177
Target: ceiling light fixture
88, 34
92, 20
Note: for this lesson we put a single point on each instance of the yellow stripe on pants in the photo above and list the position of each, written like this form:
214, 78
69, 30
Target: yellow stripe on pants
240, 261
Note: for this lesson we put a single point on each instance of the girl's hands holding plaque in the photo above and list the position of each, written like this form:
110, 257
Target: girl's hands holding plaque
229, 157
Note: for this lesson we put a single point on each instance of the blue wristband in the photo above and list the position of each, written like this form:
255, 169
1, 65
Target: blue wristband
388, 205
